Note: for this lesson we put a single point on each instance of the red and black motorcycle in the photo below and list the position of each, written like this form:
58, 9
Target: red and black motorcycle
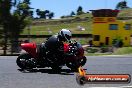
37, 57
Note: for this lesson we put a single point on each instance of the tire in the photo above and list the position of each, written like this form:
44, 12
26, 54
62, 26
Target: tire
56, 68
83, 61
74, 65
24, 61
80, 80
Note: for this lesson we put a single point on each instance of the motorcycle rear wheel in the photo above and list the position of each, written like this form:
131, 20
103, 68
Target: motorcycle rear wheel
56, 68
23, 61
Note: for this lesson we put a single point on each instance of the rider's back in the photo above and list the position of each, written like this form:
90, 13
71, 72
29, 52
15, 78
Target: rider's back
53, 43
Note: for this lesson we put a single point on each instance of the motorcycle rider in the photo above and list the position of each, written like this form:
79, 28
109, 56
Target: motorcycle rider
54, 44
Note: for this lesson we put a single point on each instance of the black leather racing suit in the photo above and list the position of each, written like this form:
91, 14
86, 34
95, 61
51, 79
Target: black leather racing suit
55, 48
53, 44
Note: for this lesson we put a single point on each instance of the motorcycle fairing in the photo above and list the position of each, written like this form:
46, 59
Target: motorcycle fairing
30, 48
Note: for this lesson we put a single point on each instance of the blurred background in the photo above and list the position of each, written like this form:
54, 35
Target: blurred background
36, 20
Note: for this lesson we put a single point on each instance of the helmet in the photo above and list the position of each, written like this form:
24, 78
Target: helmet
64, 35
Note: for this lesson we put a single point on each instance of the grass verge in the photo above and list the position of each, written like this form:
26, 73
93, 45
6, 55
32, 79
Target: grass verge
123, 50
118, 51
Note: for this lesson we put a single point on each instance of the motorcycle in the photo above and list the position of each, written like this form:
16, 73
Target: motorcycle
38, 57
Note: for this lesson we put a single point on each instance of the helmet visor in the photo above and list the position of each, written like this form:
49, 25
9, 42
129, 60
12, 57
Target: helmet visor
67, 37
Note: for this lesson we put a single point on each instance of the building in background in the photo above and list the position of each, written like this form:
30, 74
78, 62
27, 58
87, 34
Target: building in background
106, 28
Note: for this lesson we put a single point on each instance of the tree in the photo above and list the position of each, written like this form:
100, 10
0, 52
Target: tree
80, 10
51, 15
44, 14
5, 6
13, 21
37, 11
1, 35
117, 42
72, 14
62, 17
47, 12
122, 5
27, 2
31, 14
41, 14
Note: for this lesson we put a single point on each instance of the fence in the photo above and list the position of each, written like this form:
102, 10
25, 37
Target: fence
39, 39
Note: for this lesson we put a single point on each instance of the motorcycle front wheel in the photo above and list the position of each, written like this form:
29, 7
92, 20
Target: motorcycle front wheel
81, 80
83, 61
74, 65
25, 61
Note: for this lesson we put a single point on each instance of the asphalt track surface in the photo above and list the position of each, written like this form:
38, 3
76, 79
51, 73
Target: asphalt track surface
12, 77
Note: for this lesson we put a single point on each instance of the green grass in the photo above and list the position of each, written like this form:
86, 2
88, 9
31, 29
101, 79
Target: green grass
125, 13
96, 54
43, 29
118, 51
84, 15
57, 24
123, 50
80, 16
